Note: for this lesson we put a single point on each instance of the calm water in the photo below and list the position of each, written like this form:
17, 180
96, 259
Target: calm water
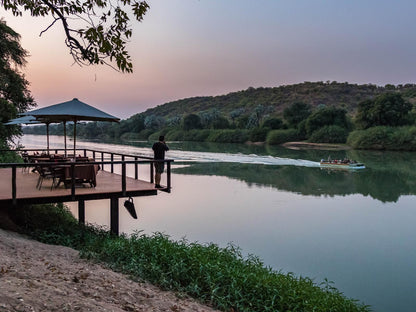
356, 228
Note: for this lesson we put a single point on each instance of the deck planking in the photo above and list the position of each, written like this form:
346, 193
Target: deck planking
108, 185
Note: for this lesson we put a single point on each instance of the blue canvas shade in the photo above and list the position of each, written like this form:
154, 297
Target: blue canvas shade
73, 110
28, 120
31, 120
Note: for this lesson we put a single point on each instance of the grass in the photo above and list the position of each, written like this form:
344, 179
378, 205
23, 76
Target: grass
220, 277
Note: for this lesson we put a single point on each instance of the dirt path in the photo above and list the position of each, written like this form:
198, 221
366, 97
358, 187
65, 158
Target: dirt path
40, 277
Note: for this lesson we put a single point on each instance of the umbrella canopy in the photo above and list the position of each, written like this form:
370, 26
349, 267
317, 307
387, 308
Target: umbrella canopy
73, 110
28, 120
31, 120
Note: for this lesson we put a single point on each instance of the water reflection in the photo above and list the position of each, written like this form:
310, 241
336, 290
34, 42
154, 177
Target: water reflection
388, 175
314, 222
384, 184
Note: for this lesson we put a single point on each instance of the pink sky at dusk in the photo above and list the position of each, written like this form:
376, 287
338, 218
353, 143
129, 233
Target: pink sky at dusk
186, 48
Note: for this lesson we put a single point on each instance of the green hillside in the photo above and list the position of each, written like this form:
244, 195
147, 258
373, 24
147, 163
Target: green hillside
276, 99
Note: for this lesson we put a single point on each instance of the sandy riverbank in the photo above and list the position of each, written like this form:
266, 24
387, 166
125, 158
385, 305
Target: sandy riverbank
40, 277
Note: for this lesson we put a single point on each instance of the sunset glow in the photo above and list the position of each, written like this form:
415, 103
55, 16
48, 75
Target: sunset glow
186, 48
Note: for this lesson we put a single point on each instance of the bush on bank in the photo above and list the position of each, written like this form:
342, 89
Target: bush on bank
282, 136
218, 276
329, 134
384, 138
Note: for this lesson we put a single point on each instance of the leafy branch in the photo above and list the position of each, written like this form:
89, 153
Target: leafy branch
102, 27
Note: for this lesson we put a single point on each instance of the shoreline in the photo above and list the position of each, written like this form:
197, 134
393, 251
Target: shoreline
39, 277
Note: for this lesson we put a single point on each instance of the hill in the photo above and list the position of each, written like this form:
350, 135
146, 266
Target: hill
276, 99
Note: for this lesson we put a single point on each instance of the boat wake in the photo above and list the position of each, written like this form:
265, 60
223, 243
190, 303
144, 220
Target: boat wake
177, 155
185, 156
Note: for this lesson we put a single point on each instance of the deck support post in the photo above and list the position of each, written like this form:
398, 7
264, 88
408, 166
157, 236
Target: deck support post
14, 186
81, 211
136, 169
114, 217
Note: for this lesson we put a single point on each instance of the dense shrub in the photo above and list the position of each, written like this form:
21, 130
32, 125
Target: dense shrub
329, 134
389, 109
221, 277
7, 156
273, 123
192, 135
221, 123
258, 134
191, 121
296, 113
282, 136
142, 135
326, 117
228, 136
384, 138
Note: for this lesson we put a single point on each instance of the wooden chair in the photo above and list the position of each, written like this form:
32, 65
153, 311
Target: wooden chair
46, 172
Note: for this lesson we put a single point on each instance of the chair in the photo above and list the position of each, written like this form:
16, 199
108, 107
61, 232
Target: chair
46, 172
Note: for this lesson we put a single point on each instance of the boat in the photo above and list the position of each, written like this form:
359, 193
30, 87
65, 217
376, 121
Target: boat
341, 164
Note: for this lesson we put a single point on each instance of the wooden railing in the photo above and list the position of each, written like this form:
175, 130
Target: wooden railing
123, 161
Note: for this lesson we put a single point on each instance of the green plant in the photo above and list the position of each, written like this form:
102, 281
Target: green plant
282, 136
258, 134
329, 134
219, 276
384, 138
228, 136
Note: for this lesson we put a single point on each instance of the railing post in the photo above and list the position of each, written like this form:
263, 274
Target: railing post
73, 181
112, 165
168, 177
102, 159
14, 184
151, 173
93, 155
85, 152
123, 177
136, 168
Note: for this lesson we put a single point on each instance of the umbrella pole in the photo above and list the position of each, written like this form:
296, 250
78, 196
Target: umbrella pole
65, 136
75, 138
47, 136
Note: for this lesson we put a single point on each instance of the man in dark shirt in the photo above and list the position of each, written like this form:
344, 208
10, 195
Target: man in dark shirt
159, 149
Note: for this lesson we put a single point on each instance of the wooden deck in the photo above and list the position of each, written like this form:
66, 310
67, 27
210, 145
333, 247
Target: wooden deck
108, 185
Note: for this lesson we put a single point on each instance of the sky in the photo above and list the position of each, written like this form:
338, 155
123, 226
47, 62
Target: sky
187, 48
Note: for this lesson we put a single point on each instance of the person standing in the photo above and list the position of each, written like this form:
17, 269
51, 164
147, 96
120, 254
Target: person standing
159, 149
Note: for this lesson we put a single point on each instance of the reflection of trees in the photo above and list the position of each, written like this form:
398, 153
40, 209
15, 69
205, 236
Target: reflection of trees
386, 186
387, 176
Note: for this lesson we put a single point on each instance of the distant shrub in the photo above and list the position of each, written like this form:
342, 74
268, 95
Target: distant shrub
273, 123
175, 135
258, 134
302, 130
155, 135
144, 134
327, 117
192, 135
384, 138
228, 136
191, 121
221, 123
282, 136
197, 135
329, 134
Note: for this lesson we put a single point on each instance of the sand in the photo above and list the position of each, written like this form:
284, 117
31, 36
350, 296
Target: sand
40, 277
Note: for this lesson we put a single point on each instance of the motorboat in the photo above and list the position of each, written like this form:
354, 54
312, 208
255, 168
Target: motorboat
341, 164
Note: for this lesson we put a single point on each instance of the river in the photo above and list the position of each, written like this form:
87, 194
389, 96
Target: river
355, 228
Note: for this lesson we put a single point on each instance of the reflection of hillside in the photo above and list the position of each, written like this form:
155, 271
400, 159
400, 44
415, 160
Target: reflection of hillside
384, 185
388, 175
